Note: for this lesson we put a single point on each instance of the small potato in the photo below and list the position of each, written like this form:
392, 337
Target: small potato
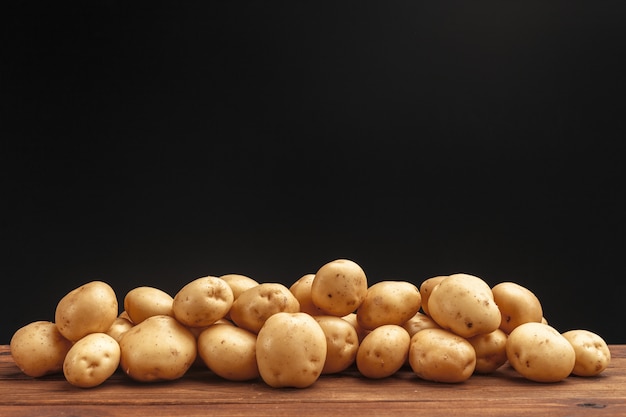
119, 327
202, 302
441, 356
342, 343
388, 302
419, 321
291, 350
158, 348
229, 352
339, 287
540, 353
592, 353
426, 288
301, 289
383, 351
490, 351
239, 283
258, 303
517, 305
90, 308
39, 349
143, 302
361, 332
92, 360
464, 304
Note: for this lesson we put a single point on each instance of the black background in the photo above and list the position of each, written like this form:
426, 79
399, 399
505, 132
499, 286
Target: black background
153, 144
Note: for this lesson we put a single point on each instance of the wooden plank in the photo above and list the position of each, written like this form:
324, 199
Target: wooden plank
200, 392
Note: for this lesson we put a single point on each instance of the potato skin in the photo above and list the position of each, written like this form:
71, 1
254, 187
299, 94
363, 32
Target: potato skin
490, 351
255, 305
339, 287
540, 353
39, 349
158, 348
229, 352
517, 305
426, 288
291, 350
592, 353
301, 289
143, 302
91, 360
383, 351
342, 342
202, 301
388, 302
90, 308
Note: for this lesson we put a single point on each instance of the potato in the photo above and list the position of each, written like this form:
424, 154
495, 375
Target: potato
229, 352
426, 288
464, 304
342, 343
361, 332
202, 301
119, 327
239, 283
540, 353
291, 350
256, 304
388, 302
517, 305
441, 356
92, 360
39, 349
301, 289
158, 348
490, 351
419, 321
383, 351
339, 287
90, 308
592, 353
143, 302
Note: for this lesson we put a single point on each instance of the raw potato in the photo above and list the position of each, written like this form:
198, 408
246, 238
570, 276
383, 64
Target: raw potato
383, 351
119, 327
592, 353
419, 321
540, 353
143, 302
158, 348
517, 305
339, 287
441, 356
291, 350
257, 304
229, 352
39, 349
464, 304
490, 351
239, 283
426, 288
203, 301
301, 289
389, 302
361, 332
90, 308
92, 360
342, 343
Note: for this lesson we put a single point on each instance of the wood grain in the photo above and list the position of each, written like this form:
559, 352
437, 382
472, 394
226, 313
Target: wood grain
201, 393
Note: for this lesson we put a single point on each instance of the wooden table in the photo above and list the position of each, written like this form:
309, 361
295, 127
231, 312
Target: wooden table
201, 393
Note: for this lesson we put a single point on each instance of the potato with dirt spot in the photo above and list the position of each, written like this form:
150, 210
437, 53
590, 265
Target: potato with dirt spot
464, 304
202, 301
339, 287
291, 350
517, 305
441, 356
388, 302
90, 308
383, 351
540, 353
91, 360
39, 349
592, 353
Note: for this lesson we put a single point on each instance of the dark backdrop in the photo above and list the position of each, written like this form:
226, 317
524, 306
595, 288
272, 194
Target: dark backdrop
153, 144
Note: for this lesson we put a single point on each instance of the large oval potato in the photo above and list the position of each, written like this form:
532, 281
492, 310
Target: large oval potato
517, 305
291, 350
158, 348
464, 304
39, 349
91, 360
383, 351
342, 342
90, 308
388, 302
258, 303
202, 301
339, 287
143, 302
229, 351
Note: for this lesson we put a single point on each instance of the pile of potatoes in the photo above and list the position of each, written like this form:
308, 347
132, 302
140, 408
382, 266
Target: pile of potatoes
448, 329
